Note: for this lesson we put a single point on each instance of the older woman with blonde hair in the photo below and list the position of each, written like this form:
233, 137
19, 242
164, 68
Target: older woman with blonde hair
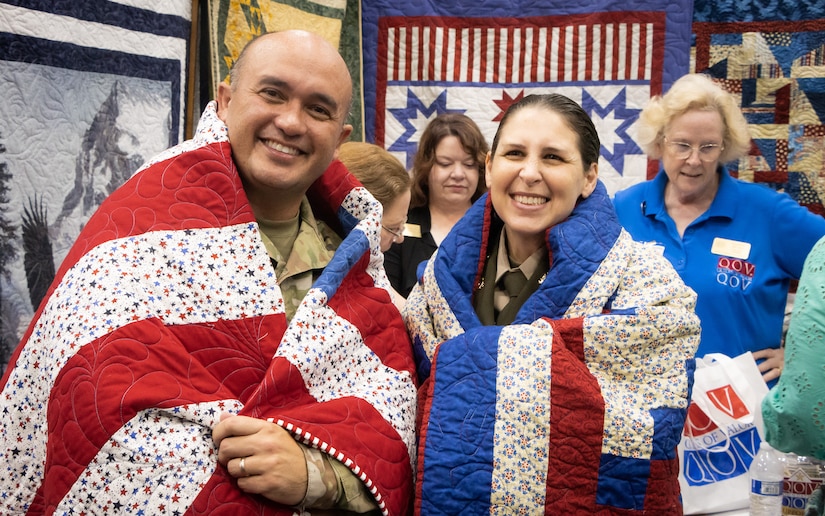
737, 244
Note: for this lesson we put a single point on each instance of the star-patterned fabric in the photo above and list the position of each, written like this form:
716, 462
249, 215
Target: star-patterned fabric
167, 313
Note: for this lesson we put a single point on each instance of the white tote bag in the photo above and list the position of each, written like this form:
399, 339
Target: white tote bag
722, 433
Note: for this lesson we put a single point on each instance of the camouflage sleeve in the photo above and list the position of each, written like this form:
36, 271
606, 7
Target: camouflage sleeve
332, 485
354, 495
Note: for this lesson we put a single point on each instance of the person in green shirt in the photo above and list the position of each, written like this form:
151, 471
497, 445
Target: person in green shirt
794, 409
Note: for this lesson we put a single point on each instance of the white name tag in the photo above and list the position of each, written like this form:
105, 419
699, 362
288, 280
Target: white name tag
732, 248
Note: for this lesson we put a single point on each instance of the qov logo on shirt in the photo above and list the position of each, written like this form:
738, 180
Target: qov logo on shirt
734, 273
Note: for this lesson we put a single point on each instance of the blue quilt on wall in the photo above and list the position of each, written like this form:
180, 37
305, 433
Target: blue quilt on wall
771, 55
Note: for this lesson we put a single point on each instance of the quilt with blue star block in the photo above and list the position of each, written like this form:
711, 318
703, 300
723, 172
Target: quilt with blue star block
426, 58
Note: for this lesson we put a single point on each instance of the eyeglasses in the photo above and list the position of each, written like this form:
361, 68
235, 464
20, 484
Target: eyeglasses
397, 234
708, 152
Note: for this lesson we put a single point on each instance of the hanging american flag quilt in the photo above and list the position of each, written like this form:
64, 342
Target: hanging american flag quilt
425, 58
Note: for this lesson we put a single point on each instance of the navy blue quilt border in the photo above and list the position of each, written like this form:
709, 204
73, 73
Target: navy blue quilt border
111, 13
59, 54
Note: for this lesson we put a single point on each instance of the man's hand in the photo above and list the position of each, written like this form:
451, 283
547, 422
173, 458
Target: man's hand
771, 367
273, 463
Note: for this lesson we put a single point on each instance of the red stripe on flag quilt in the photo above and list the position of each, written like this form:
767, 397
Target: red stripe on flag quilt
576, 425
494, 50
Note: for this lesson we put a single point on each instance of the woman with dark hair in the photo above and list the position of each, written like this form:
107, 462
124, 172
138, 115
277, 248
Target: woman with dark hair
555, 351
448, 171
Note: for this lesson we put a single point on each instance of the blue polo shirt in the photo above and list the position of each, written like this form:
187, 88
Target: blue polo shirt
739, 256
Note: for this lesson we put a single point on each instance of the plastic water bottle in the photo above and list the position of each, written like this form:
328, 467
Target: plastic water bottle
767, 471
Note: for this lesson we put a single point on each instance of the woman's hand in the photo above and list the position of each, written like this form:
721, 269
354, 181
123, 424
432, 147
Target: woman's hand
771, 367
264, 458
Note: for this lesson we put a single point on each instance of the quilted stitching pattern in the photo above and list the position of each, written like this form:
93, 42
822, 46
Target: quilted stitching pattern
578, 406
167, 313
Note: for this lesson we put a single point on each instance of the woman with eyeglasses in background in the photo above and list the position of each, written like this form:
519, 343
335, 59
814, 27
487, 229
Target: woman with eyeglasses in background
737, 244
389, 182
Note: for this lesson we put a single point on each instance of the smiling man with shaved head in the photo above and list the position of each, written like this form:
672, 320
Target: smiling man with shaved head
221, 336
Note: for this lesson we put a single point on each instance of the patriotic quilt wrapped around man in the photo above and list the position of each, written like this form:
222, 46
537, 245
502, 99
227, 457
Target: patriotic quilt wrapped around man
167, 313
575, 408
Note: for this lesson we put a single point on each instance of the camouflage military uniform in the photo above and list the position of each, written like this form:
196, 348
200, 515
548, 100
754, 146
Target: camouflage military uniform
311, 252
